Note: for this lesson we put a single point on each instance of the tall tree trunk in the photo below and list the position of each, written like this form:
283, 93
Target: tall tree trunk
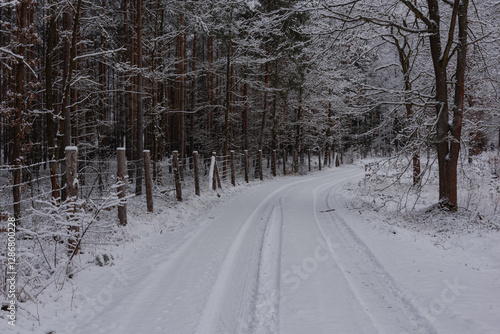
139, 126
182, 92
21, 15
442, 127
458, 106
102, 125
448, 149
275, 119
49, 102
71, 66
228, 102
329, 133
266, 108
64, 135
298, 126
131, 130
245, 113
193, 91
210, 85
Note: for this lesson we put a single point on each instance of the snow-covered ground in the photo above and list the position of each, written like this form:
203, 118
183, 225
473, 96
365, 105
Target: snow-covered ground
298, 254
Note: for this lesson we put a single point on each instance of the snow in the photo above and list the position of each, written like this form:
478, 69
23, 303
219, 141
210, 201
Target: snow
297, 254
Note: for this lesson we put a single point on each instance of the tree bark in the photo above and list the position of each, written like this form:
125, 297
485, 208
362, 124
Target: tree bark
139, 147
71, 67
72, 192
210, 84
246, 162
148, 183
448, 149
193, 90
182, 92
51, 124
233, 171
21, 14
245, 114
458, 107
227, 111
298, 127
266, 108
175, 167
196, 174
122, 188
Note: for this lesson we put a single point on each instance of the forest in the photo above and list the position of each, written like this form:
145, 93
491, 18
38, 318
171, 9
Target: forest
376, 78
253, 82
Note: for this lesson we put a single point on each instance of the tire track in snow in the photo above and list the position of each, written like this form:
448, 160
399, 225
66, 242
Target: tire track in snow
266, 312
315, 296
373, 286
245, 243
145, 298
265, 317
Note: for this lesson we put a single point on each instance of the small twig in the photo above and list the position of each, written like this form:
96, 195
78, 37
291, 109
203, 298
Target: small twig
330, 210
43, 253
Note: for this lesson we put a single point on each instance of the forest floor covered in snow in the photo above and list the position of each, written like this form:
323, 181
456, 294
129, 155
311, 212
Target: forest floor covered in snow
336, 251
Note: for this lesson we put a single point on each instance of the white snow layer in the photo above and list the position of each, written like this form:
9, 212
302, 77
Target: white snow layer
292, 255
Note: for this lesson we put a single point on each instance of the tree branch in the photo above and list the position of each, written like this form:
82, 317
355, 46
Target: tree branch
446, 54
417, 13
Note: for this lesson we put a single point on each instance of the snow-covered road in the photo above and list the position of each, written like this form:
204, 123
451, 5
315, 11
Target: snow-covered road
277, 259
281, 257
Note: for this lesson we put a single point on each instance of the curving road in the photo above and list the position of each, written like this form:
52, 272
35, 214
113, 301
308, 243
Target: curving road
279, 258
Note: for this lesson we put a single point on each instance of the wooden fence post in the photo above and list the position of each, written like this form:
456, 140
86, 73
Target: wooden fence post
325, 158
72, 195
284, 162
261, 167
319, 159
295, 161
274, 163
309, 159
246, 165
329, 157
196, 174
122, 188
147, 179
71, 171
224, 167
177, 176
233, 172
216, 179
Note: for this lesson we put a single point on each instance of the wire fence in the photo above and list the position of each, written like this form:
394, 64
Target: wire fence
34, 186
51, 224
96, 177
